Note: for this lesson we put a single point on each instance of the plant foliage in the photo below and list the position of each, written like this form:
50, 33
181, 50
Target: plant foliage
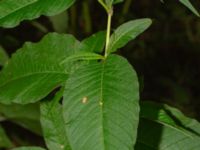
75, 97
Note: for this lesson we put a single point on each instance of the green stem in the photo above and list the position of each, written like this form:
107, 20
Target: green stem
110, 13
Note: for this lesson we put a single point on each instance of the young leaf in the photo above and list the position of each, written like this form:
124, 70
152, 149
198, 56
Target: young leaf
35, 70
4, 140
53, 124
100, 107
26, 116
188, 4
28, 148
13, 12
169, 128
126, 32
94, 43
82, 56
3, 57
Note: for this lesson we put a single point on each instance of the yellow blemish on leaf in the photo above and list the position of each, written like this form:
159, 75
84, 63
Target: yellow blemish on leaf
84, 100
101, 103
62, 146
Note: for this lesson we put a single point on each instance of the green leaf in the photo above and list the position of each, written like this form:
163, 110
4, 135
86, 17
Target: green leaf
35, 70
26, 116
94, 43
3, 57
126, 32
4, 140
53, 124
28, 148
100, 106
13, 12
169, 128
83, 56
188, 4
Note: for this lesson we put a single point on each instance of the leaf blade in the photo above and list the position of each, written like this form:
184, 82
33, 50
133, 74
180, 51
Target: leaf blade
126, 32
35, 66
183, 132
27, 116
53, 124
91, 111
188, 4
94, 43
30, 9
4, 140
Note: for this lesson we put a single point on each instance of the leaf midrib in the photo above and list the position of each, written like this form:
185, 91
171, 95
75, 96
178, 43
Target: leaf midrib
101, 100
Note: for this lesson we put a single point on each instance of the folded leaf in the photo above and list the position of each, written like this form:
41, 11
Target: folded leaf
100, 106
188, 4
170, 129
35, 70
53, 124
13, 11
4, 140
83, 56
126, 32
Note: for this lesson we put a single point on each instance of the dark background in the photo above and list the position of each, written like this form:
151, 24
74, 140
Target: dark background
166, 57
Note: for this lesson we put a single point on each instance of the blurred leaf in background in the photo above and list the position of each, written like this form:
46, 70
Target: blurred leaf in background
3, 56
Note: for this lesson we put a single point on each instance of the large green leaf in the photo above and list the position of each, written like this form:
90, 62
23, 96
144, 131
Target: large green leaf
4, 140
53, 124
28, 148
13, 11
35, 69
165, 128
3, 57
188, 4
100, 107
126, 32
27, 116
